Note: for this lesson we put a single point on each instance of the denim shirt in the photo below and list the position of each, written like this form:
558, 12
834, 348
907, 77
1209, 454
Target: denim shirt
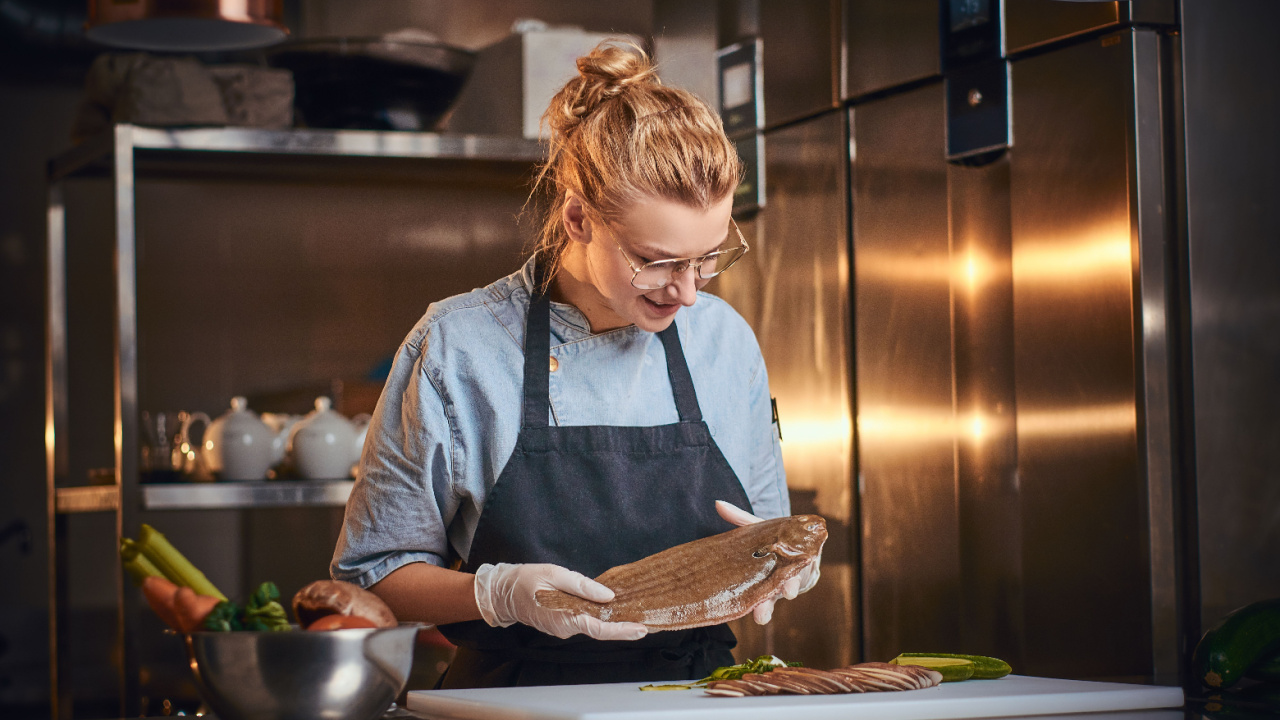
447, 421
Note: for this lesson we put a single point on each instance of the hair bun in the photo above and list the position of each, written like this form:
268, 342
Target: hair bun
612, 67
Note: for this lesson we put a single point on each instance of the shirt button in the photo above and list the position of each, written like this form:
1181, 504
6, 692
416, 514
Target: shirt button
554, 364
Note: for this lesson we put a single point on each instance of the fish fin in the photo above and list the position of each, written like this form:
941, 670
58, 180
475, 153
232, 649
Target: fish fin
786, 550
764, 551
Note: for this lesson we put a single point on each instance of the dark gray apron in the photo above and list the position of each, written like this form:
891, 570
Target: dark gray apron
589, 498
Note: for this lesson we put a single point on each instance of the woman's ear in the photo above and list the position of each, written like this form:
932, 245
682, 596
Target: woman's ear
574, 217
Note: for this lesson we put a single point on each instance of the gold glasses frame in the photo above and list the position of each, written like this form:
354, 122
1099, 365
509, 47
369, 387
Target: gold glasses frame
679, 265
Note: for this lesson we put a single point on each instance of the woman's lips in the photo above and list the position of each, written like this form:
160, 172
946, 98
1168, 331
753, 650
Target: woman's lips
661, 309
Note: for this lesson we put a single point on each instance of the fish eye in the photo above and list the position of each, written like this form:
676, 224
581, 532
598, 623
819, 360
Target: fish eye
759, 554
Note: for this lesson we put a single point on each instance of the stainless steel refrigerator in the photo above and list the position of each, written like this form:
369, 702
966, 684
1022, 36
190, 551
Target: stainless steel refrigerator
985, 282
1012, 357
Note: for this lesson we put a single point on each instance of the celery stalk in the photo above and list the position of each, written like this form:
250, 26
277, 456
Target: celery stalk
137, 564
156, 547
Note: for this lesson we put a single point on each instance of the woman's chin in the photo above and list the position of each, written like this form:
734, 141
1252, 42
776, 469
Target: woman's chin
654, 325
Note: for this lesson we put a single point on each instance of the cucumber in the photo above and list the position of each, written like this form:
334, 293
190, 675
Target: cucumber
951, 669
1256, 702
1267, 670
1262, 696
1240, 640
984, 668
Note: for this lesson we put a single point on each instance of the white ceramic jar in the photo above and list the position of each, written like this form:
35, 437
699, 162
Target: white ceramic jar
321, 444
237, 445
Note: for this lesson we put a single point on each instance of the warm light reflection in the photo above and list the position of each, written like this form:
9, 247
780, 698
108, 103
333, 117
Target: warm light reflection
1100, 254
902, 268
807, 432
1084, 420
923, 425
1103, 252
901, 424
977, 426
970, 270
235, 10
817, 451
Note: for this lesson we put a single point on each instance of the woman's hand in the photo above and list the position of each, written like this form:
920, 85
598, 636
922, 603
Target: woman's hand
505, 595
801, 583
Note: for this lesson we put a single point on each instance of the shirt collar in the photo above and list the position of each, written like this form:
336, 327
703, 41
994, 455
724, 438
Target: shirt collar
568, 315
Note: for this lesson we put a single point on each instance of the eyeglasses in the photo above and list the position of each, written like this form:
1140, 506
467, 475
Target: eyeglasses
658, 274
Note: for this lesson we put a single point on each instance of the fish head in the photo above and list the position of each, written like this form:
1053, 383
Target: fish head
799, 538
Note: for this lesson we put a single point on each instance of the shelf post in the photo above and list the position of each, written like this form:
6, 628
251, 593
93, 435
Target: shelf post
55, 423
126, 400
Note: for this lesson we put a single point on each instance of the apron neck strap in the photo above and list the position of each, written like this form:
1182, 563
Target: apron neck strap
681, 380
537, 369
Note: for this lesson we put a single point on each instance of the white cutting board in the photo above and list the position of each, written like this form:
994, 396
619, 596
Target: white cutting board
1014, 695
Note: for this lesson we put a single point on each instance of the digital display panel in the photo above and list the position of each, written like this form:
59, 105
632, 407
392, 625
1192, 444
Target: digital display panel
969, 13
739, 85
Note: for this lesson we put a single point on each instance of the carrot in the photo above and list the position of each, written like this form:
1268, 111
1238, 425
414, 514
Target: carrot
160, 596
191, 608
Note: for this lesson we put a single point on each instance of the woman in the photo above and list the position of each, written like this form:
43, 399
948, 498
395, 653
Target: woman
534, 433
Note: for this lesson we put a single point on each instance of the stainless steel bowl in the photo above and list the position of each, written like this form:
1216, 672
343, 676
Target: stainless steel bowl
351, 674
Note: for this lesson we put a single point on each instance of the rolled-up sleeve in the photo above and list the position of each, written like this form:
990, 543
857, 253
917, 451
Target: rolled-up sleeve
767, 486
403, 500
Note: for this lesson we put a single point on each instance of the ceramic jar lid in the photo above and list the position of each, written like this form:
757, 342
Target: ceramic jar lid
237, 445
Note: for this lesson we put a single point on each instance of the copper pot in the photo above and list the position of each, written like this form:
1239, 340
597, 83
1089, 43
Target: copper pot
186, 25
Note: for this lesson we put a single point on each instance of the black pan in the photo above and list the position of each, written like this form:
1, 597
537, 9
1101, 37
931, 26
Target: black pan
373, 83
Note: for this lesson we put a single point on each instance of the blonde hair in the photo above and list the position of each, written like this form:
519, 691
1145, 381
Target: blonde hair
619, 136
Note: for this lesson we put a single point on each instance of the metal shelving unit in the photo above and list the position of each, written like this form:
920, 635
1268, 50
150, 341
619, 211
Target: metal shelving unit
124, 154
246, 495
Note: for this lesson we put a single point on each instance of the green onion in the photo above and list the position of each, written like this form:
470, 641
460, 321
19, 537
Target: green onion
759, 666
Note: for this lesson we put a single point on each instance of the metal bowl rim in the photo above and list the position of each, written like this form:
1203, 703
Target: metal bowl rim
296, 629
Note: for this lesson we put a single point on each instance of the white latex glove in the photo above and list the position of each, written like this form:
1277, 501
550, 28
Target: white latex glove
801, 583
505, 595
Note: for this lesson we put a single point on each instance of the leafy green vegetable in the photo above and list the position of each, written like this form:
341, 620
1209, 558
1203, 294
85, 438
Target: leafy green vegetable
759, 666
225, 617
263, 611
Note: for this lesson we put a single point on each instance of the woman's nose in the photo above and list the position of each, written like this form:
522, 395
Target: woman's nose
684, 286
